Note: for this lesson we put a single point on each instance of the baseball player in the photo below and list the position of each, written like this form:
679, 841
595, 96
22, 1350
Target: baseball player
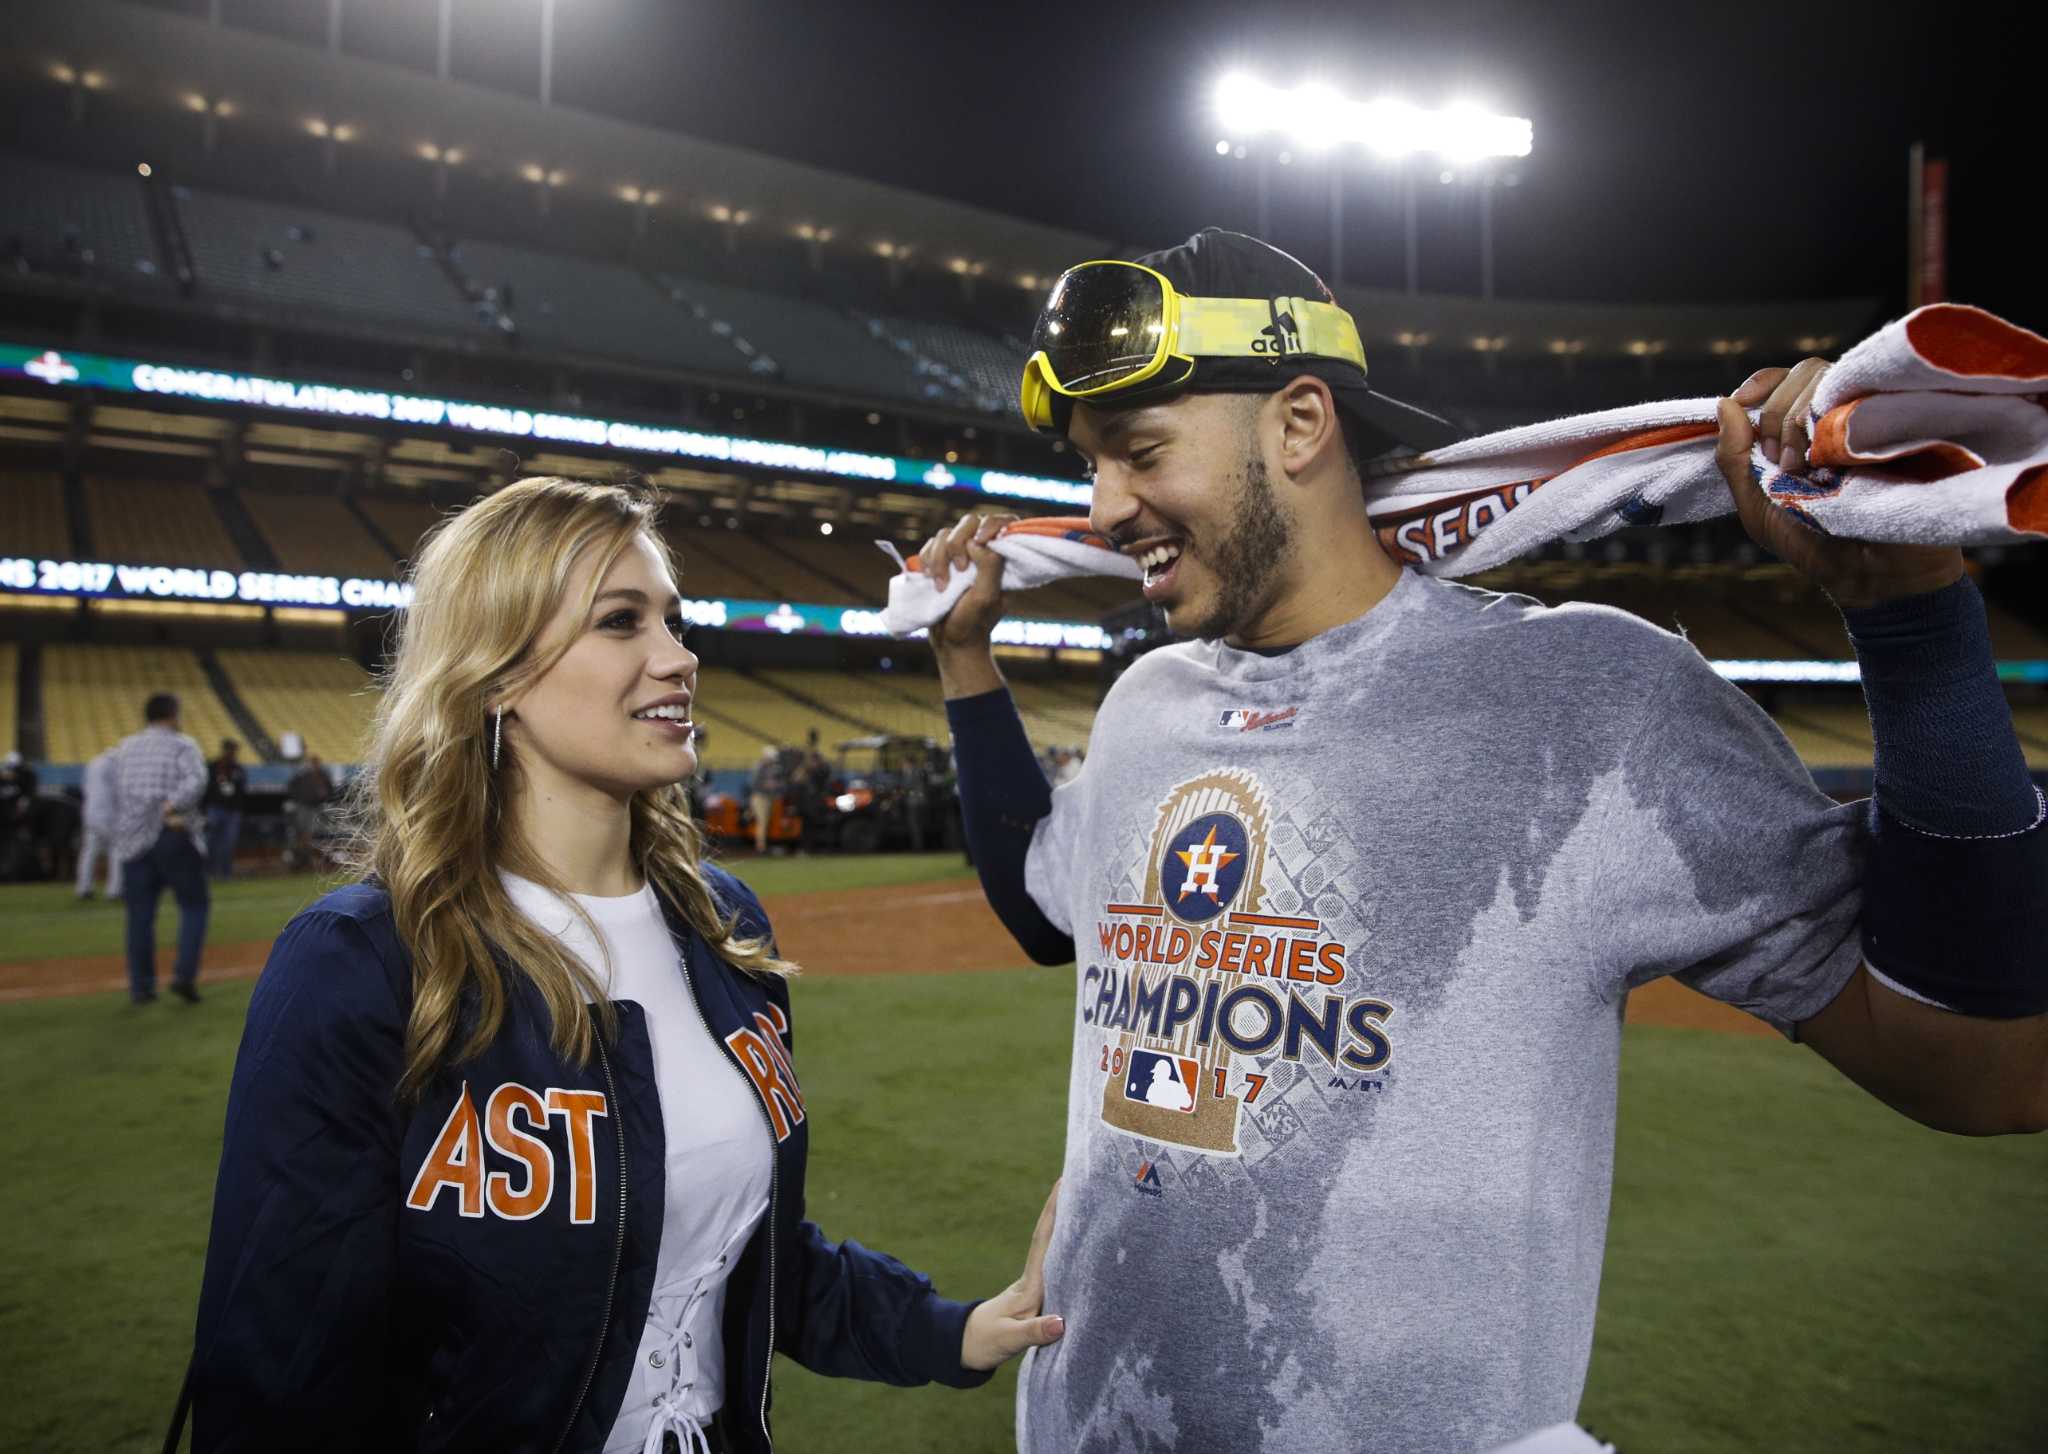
1360, 872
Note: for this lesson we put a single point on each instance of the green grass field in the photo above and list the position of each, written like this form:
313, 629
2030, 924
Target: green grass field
1790, 1266
44, 920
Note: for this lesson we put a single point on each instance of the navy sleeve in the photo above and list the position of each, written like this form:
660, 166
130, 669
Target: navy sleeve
1003, 795
1955, 900
295, 1308
866, 1315
862, 1314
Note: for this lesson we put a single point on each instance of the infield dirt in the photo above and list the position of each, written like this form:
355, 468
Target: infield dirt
925, 928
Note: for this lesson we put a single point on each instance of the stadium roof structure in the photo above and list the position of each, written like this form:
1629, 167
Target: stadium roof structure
152, 56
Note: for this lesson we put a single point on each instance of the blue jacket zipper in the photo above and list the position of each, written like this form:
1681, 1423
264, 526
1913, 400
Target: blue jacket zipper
618, 1249
774, 1186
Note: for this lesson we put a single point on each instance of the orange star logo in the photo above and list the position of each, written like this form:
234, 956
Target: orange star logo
1205, 861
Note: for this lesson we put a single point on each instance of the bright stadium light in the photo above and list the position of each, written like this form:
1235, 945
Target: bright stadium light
1315, 116
1245, 105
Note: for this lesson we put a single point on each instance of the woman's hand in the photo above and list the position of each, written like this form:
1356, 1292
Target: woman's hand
1008, 1323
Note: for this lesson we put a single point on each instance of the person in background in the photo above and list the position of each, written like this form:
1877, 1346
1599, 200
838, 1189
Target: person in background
97, 839
17, 812
305, 796
227, 784
812, 784
762, 793
158, 777
1066, 766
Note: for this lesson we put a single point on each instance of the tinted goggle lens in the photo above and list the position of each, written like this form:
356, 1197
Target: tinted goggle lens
1102, 324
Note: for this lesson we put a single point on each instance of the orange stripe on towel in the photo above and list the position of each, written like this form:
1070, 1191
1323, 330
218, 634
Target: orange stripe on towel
2026, 500
1936, 461
1975, 344
1650, 439
1055, 525
1831, 437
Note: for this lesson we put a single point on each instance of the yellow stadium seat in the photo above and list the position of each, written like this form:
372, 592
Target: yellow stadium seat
405, 521
32, 515
10, 668
327, 700
93, 696
157, 522
316, 535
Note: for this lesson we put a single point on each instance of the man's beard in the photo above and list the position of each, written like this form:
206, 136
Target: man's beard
1247, 559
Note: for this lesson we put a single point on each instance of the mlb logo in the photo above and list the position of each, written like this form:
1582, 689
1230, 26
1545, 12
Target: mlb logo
1165, 1081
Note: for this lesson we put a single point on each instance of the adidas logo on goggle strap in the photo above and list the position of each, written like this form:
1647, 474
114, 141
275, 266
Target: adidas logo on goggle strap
1282, 336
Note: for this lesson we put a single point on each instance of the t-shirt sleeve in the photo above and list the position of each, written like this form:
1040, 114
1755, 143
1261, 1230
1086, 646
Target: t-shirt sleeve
1721, 862
1049, 864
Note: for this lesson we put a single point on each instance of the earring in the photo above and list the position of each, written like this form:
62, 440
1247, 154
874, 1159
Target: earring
497, 736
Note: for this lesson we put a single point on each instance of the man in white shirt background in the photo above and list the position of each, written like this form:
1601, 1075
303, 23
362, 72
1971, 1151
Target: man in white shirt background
96, 837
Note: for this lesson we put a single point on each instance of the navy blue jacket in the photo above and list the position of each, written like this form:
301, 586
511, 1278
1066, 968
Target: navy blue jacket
442, 1275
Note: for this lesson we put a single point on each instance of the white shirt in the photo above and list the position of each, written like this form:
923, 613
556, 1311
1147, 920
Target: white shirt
99, 793
720, 1161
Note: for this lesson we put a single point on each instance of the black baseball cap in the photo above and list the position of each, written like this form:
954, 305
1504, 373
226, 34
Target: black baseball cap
1216, 263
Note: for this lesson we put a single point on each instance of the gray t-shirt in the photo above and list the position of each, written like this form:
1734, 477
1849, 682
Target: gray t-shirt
1355, 925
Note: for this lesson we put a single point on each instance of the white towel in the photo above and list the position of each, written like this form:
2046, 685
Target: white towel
1557, 1439
1932, 431
1034, 552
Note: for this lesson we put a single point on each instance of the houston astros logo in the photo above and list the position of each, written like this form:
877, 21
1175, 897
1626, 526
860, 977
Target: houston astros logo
1204, 867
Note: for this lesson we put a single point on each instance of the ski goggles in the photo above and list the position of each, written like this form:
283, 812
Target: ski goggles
1109, 327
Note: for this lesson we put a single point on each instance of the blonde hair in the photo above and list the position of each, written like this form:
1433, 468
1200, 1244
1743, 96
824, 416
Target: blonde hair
429, 814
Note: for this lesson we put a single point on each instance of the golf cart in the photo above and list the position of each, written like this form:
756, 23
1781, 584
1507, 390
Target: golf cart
893, 793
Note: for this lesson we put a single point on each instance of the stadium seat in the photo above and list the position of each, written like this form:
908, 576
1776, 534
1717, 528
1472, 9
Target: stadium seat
850, 569
1827, 733
1052, 718
762, 701
405, 521
157, 522
2013, 639
292, 258
2031, 722
911, 704
810, 343
10, 690
984, 368
714, 563
328, 700
32, 518
581, 306
739, 718
83, 225
316, 535
93, 696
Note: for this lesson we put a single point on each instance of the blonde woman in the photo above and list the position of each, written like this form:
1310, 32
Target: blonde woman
515, 1147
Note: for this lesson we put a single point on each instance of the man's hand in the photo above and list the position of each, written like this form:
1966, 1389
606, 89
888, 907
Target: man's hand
1008, 1323
172, 817
960, 642
1852, 572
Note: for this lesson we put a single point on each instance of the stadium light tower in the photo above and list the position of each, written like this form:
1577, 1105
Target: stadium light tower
1316, 119
444, 45
547, 52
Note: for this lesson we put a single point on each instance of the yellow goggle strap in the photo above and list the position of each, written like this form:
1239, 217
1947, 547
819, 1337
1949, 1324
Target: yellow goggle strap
1259, 328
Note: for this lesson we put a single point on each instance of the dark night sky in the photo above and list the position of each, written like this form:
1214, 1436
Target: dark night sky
1683, 151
